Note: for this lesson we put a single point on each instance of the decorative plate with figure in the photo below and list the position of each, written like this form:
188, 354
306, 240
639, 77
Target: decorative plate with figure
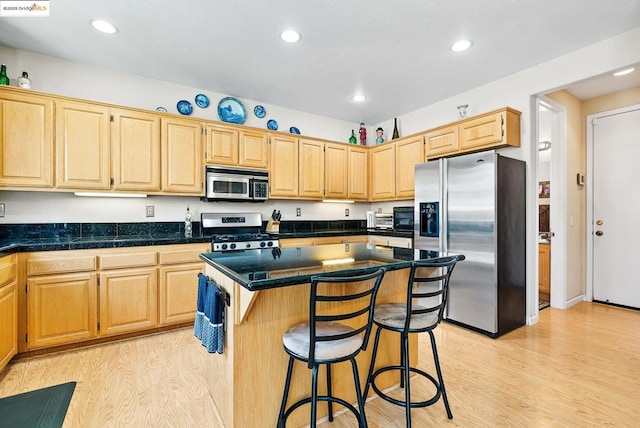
259, 111
202, 101
184, 107
272, 125
231, 110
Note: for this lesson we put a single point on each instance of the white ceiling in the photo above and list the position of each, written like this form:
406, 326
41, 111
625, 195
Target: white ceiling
395, 52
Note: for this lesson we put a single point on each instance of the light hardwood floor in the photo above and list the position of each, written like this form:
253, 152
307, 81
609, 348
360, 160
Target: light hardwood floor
575, 368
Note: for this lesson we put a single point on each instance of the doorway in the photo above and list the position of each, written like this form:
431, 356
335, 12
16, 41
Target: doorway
614, 203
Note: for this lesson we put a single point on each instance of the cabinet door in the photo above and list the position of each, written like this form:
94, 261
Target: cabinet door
8, 323
182, 166
383, 172
544, 268
179, 292
253, 152
408, 153
135, 142
83, 146
441, 142
61, 309
311, 184
26, 141
222, 145
358, 176
283, 166
336, 183
480, 132
128, 300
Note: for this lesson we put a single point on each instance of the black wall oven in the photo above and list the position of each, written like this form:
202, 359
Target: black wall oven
403, 218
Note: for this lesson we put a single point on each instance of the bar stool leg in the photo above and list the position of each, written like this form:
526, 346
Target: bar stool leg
329, 403
407, 373
314, 395
403, 353
287, 382
373, 363
437, 363
356, 378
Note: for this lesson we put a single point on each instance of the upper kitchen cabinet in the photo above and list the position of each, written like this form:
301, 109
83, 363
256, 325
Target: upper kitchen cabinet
409, 152
336, 171
283, 167
135, 142
358, 173
181, 141
26, 140
311, 169
83, 146
492, 130
383, 172
227, 145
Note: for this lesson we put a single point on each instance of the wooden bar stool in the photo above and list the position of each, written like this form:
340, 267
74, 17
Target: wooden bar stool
412, 316
340, 321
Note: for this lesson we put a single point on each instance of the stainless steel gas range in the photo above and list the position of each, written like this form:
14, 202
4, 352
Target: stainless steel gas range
236, 231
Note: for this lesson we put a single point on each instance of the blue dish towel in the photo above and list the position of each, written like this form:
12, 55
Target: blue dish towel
209, 324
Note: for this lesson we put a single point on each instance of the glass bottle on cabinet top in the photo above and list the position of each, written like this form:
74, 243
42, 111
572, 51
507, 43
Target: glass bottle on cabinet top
4, 80
353, 139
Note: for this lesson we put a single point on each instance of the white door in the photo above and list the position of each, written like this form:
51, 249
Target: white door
616, 208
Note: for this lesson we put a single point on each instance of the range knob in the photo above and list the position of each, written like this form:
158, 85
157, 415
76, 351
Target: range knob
223, 246
232, 246
248, 245
262, 244
270, 244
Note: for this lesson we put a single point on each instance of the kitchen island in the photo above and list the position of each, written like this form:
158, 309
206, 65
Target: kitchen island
268, 291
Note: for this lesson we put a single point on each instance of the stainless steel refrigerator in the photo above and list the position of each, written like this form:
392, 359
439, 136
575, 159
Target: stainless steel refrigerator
475, 205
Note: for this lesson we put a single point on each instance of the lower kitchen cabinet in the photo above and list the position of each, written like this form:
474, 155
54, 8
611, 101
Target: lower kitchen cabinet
8, 310
178, 292
128, 300
62, 309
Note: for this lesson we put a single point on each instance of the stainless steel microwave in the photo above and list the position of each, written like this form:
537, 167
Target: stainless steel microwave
234, 184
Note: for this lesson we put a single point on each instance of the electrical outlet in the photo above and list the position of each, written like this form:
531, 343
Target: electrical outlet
150, 211
346, 212
298, 212
1, 210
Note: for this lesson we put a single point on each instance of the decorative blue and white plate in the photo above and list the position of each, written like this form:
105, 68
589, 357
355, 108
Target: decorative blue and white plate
259, 111
185, 107
294, 130
231, 110
272, 125
202, 101
162, 109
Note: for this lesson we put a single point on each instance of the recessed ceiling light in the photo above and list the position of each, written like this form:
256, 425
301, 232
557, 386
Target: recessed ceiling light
104, 26
290, 36
623, 72
358, 98
461, 45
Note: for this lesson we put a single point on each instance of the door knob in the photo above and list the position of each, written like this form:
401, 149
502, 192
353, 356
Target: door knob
599, 233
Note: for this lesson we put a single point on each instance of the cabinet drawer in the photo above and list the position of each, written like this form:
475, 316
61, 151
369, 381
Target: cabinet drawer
61, 265
7, 269
184, 255
125, 260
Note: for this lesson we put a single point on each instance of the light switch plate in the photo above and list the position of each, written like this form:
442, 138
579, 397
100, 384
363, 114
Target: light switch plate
150, 211
1, 210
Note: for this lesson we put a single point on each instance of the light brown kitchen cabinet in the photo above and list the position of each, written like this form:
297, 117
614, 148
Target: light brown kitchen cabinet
409, 152
441, 141
544, 269
358, 173
83, 146
62, 309
311, 169
322, 240
128, 300
336, 171
178, 291
8, 310
253, 151
182, 166
222, 145
283, 167
26, 140
383, 172
135, 142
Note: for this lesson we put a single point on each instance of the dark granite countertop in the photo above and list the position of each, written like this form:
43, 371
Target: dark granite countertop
279, 267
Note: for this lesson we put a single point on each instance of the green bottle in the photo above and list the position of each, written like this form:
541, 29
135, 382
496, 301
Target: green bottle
4, 80
353, 139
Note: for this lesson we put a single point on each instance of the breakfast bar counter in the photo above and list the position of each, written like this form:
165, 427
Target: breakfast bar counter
267, 292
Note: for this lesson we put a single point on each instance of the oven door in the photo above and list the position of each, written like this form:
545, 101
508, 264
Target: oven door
228, 186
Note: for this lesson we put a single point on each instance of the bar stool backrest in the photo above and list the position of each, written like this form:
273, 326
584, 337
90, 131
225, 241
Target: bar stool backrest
429, 282
340, 299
